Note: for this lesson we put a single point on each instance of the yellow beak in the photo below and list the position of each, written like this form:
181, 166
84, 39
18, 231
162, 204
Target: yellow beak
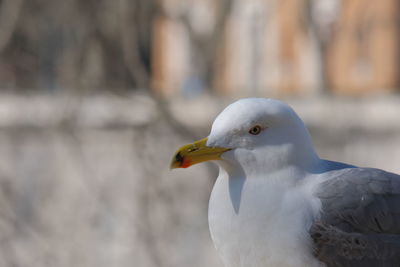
197, 152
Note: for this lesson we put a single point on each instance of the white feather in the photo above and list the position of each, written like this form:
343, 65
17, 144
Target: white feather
261, 206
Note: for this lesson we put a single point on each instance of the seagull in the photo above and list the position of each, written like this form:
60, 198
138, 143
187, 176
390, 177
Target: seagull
277, 203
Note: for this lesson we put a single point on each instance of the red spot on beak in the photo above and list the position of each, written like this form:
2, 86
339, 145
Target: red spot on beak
186, 163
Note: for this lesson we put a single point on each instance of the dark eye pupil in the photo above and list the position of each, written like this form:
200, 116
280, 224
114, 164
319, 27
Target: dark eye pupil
255, 130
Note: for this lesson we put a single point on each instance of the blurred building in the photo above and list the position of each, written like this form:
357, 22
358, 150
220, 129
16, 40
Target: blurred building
232, 47
271, 47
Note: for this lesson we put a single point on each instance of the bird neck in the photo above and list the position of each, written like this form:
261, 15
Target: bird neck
282, 159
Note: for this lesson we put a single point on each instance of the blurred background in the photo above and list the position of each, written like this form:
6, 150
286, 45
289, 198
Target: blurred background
95, 97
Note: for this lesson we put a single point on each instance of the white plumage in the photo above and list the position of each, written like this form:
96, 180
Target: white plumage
276, 203
261, 206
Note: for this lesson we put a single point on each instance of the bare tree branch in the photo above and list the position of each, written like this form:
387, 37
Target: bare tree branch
9, 13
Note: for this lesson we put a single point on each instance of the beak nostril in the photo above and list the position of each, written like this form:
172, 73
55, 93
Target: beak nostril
192, 149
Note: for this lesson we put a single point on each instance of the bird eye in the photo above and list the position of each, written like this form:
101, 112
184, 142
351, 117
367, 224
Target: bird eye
255, 130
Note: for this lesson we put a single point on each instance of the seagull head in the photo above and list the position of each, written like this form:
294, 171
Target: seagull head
254, 135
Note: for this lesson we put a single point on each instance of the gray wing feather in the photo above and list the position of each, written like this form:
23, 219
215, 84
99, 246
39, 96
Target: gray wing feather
360, 219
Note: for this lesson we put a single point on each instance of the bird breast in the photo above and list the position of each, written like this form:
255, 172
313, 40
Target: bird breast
258, 222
